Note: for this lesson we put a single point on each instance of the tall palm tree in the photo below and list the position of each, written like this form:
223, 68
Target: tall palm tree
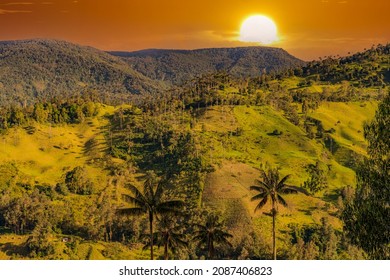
150, 201
270, 188
211, 233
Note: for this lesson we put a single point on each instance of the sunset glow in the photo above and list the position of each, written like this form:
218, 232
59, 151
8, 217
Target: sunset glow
307, 29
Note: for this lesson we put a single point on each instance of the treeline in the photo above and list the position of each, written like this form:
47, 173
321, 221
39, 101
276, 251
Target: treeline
67, 111
370, 68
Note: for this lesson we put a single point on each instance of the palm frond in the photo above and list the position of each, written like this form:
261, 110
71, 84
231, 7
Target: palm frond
293, 189
281, 183
134, 190
135, 211
159, 189
258, 196
261, 203
138, 202
260, 189
172, 206
265, 184
263, 175
281, 200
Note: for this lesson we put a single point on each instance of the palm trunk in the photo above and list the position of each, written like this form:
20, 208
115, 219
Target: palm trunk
211, 251
151, 234
273, 231
166, 251
211, 248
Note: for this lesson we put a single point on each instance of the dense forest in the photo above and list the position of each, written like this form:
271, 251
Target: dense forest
286, 164
178, 66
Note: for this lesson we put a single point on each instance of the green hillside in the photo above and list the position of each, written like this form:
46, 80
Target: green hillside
40, 154
71, 167
35, 70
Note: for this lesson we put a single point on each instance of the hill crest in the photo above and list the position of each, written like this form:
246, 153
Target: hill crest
177, 66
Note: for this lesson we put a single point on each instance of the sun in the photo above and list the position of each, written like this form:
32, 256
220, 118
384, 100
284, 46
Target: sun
259, 29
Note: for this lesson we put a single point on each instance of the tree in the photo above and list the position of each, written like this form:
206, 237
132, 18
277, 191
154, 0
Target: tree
150, 201
169, 235
366, 214
211, 233
317, 180
78, 182
270, 188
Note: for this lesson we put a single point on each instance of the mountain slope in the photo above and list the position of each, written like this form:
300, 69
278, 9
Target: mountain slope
47, 68
177, 66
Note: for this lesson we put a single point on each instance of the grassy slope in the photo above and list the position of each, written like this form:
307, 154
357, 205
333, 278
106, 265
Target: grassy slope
50, 151
45, 155
228, 187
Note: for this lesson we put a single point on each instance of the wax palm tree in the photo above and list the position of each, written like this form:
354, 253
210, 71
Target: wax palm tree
211, 233
169, 235
270, 188
151, 202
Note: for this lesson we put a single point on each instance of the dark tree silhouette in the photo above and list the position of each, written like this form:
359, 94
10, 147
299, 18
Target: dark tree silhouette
169, 235
270, 188
210, 234
150, 201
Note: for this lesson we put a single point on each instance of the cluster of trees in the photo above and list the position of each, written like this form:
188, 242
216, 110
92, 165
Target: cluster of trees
362, 69
366, 214
55, 112
322, 242
171, 234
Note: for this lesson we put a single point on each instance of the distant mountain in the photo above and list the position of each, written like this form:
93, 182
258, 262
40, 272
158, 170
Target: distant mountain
34, 69
177, 66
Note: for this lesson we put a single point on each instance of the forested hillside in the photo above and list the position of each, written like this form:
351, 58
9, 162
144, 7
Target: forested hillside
78, 176
178, 66
36, 70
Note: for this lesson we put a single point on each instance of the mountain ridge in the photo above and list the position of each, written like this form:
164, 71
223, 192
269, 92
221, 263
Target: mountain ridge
37, 69
42, 68
177, 66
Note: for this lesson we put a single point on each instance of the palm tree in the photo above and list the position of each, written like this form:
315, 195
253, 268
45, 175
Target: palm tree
170, 235
211, 233
270, 188
151, 201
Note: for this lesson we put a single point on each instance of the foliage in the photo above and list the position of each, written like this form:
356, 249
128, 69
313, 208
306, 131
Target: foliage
202, 140
150, 201
170, 235
317, 180
210, 234
178, 66
33, 70
78, 182
366, 215
322, 242
270, 188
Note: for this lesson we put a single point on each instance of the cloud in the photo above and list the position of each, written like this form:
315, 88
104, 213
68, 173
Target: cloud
3, 12
47, 3
16, 3
342, 2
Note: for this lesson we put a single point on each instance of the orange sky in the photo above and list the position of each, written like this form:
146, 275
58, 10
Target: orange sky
307, 28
